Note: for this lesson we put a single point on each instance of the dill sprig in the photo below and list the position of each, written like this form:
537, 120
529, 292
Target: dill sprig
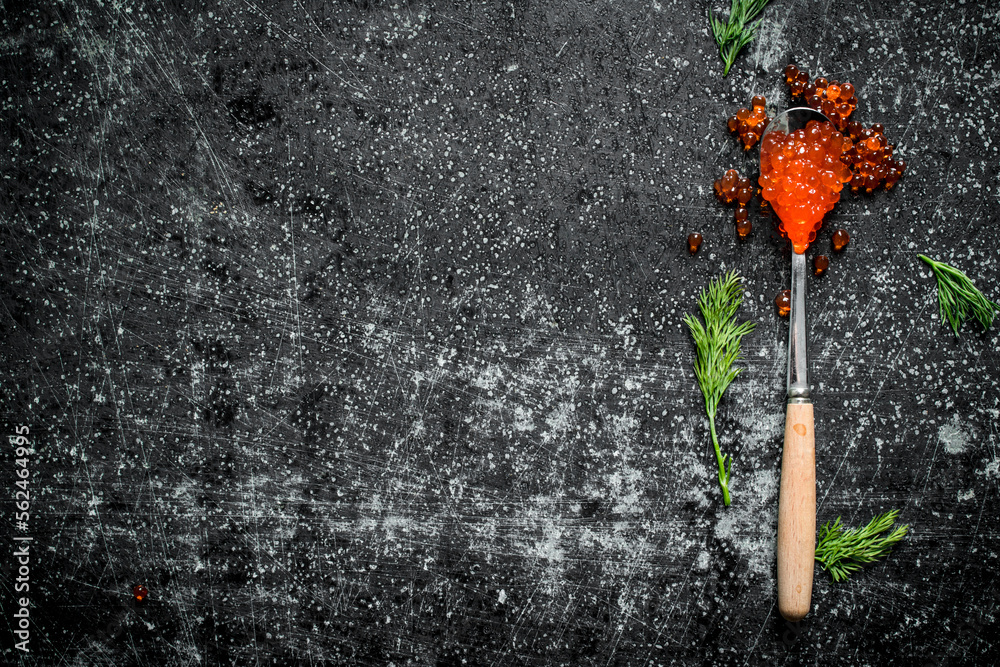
718, 345
958, 298
737, 31
842, 551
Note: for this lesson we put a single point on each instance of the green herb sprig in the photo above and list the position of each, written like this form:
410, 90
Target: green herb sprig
842, 551
737, 31
958, 298
718, 345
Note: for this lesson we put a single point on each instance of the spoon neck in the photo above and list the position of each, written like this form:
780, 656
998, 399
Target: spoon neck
798, 380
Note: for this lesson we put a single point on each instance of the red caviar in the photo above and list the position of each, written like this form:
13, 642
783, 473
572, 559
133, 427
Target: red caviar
726, 187
835, 99
840, 239
870, 156
801, 175
749, 124
694, 242
784, 302
866, 151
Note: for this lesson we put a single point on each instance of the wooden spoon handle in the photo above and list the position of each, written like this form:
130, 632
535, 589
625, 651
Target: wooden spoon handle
797, 513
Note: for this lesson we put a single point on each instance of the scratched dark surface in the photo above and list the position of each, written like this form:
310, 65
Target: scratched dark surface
353, 331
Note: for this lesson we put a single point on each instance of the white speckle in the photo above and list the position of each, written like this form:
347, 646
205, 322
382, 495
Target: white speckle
749, 523
954, 438
502, 597
524, 419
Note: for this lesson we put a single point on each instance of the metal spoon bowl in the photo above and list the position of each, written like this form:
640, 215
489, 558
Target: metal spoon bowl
793, 119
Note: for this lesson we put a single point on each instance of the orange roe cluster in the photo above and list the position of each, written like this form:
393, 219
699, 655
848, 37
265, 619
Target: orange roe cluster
735, 188
749, 124
834, 99
801, 175
870, 157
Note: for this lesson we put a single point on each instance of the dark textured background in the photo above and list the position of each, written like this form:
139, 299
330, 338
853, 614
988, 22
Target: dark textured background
353, 331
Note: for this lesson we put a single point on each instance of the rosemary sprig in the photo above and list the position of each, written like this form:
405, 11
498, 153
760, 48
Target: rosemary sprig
737, 31
718, 345
958, 298
842, 551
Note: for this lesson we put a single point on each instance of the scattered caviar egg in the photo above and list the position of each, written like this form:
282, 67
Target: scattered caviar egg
894, 173
820, 264
140, 592
742, 213
840, 239
727, 187
801, 175
835, 99
784, 302
749, 124
743, 227
870, 157
694, 242
798, 85
730, 178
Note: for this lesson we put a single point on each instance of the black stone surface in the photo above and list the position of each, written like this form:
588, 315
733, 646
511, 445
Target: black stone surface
353, 331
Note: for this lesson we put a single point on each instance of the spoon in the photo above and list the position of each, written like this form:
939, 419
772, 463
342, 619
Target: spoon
797, 493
